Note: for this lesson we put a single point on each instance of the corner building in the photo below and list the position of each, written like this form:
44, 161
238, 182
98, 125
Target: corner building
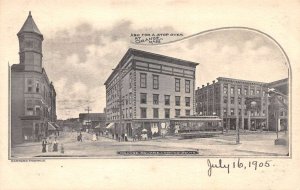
33, 96
227, 98
146, 90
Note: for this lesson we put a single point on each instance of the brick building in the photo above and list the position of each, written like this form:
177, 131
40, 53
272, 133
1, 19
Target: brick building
33, 96
278, 107
91, 120
146, 90
237, 102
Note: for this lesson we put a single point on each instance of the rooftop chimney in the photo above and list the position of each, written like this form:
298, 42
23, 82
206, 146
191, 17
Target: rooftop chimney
207, 83
202, 86
214, 81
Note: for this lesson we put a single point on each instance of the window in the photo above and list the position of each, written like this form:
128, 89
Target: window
239, 91
225, 100
231, 90
239, 101
29, 85
264, 93
177, 112
177, 100
143, 80
257, 91
167, 99
143, 98
155, 112
155, 82
38, 111
155, 99
29, 107
167, 113
130, 98
130, 112
225, 111
231, 100
187, 112
187, 101
177, 85
245, 91
240, 111
187, 86
231, 111
143, 112
251, 92
130, 80
37, 87
225, 90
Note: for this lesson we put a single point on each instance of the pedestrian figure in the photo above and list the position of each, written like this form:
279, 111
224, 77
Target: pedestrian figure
49, 145
94, 137
44, 143
126, 139
55, 145
80, 137
123, 137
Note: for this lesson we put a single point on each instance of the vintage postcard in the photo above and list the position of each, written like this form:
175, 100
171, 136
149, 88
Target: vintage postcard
122, 85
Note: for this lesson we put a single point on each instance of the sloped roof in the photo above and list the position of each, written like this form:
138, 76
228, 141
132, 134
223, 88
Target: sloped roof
30, 26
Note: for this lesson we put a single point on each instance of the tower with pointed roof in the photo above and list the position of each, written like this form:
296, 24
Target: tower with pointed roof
30, 45
33, 97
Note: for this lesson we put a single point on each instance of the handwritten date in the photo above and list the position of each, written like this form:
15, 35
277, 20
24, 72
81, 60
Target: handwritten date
237, 164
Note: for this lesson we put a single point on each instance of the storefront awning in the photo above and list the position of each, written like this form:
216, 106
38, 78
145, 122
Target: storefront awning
109, 126
57, 127
98, 126
51, 127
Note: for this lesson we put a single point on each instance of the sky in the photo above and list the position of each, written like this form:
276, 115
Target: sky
84, 42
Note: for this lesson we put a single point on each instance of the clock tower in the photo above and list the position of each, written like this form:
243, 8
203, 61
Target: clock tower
30, 45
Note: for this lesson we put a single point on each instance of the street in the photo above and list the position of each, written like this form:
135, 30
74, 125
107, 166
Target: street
255, 144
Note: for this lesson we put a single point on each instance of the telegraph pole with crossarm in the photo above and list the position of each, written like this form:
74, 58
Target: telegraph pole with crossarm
89, 122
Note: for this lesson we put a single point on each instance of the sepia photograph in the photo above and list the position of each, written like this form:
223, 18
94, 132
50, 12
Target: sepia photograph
114, 94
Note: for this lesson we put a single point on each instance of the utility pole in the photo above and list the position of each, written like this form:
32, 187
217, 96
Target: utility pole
88, 110
120, 75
